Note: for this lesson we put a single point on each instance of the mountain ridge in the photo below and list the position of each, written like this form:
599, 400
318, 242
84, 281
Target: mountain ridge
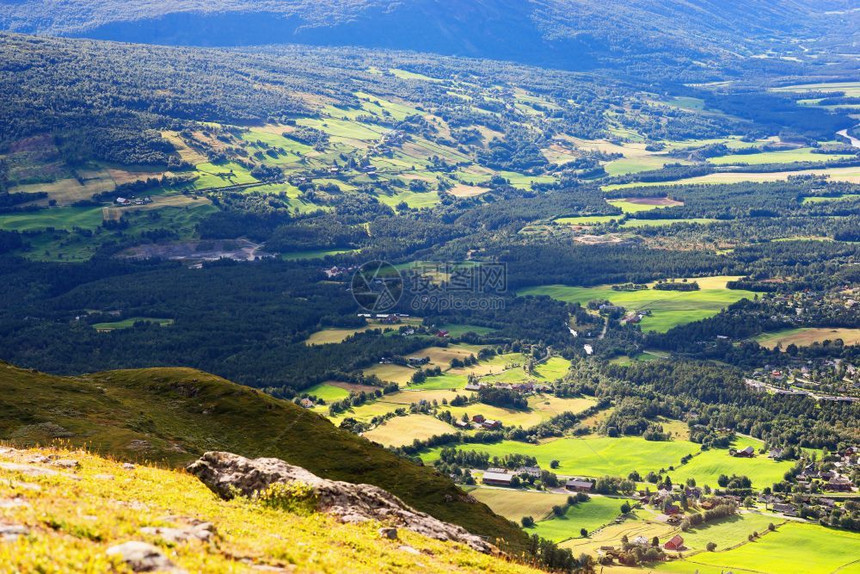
571, 34
172, 416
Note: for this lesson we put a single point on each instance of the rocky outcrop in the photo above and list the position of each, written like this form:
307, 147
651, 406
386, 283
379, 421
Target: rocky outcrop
142, 557
227, 474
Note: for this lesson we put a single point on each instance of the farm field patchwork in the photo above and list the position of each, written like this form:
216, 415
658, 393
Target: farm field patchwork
668, 308
805, 336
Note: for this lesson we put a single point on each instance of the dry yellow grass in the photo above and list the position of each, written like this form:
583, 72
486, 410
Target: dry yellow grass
68, 191
806, 337
391, 373
400, 431
463, 190
514, 504
188, 154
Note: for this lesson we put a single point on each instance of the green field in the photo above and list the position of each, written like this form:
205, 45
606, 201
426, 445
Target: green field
794, 547
848, 174
635, 164
593, 456
460, 330
668, 308
819, 199
587, 219
636, 223
851, 89
590, 515
788, 156
58, 218
709, 465
629, 206
445, 381
728, 532
327, 392
129, 323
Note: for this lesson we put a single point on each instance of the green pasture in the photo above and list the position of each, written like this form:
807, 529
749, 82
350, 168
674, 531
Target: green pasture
590, 515
728, 532
794, 547
669, 308
592, 456
637, 223
55, 217
129, 323
788, 156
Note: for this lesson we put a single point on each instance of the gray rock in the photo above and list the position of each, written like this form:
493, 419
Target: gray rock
202, 532
142, 557
390, 533
226, 474
66, 463
27, 469
11, 532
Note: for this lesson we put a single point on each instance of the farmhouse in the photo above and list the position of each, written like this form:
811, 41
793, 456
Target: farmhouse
498, 478
474, 386
673, 509
530, 471
838, 484
748, 452
676, 543
579, 485
478, 419
490, 424
786, 509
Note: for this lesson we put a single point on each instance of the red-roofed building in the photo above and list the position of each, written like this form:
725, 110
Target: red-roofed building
676, 543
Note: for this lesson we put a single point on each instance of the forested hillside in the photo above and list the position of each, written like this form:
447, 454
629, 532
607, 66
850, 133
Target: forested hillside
572, 34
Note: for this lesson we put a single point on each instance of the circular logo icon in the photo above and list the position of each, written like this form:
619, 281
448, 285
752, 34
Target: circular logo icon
377, 286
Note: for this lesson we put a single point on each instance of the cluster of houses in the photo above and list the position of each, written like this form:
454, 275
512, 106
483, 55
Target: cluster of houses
522, 388
384, 318
127, 201
479, 422
830, 480
390, 139
822, 380
503, 477
339, 271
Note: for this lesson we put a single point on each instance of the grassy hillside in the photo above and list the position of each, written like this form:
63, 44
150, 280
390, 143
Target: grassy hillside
173, 415
72, 518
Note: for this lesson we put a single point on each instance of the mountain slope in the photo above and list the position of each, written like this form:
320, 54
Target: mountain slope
174, 415
572, 34
68, 511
